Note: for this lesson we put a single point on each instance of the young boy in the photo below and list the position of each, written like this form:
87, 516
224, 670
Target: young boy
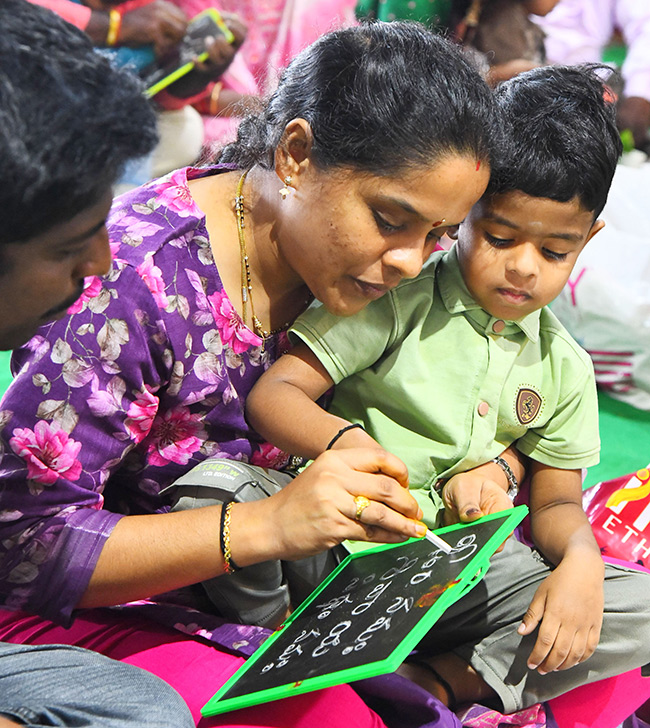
450, 368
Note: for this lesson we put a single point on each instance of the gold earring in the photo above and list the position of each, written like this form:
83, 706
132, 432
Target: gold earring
284, 191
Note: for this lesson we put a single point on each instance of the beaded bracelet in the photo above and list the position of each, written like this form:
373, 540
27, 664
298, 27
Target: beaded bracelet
342, 431
229, 565
114, 27
513, 484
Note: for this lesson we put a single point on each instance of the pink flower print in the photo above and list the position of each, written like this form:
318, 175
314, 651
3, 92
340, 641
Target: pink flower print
175, 436
232, 329
152, 277
50, 453
174, 193
269, 456
141, 414
92, 287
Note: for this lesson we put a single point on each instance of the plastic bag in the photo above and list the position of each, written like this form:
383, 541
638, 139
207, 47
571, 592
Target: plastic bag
619, 513
606, 303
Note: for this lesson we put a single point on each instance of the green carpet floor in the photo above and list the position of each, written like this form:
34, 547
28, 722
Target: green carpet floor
624, 431
625, 439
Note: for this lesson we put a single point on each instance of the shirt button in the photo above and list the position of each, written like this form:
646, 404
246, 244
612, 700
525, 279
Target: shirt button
483, 408
498, 326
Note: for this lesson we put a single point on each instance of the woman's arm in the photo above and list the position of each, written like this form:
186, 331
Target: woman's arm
150, 554
84, 398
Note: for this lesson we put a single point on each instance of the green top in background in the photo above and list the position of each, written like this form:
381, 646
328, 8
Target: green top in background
432, 13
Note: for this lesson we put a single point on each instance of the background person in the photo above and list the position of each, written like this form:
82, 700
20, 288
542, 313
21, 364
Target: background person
277, 31
40, 686
577, 31
143, 34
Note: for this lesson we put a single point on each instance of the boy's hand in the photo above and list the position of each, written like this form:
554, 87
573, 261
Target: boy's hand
468, 496
568, 607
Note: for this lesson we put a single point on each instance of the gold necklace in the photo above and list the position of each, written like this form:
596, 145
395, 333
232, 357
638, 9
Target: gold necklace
246, 285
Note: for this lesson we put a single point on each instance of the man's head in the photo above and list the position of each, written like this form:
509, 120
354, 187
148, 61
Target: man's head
68, 123
519, 244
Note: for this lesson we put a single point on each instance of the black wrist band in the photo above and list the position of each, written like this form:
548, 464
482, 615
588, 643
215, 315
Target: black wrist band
342, 431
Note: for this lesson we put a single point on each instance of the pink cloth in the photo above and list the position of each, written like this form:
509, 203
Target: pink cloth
194, 668
77, 15
606, 703
277, 31
602, 704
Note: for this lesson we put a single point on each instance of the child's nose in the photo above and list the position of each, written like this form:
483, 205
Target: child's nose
523, 260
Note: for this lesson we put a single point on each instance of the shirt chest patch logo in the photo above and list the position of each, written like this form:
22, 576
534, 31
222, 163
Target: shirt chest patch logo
528, 405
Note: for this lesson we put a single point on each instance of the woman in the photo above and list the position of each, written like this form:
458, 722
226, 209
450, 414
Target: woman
147, 373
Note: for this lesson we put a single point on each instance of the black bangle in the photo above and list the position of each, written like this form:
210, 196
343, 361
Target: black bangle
229, 564
342, 431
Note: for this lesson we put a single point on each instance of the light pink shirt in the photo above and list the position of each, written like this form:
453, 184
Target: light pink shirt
277, 31
578, 30
78, 15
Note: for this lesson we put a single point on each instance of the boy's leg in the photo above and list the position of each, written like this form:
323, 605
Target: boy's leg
259, 594
55, 685
481, 629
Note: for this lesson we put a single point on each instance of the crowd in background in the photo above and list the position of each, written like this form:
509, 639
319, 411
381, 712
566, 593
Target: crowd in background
505, 37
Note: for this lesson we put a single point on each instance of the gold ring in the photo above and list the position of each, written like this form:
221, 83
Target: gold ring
361, 502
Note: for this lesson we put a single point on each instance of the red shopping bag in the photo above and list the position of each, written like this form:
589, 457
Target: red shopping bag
619, 513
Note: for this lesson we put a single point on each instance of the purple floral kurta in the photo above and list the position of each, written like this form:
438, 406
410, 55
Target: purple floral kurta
145, 377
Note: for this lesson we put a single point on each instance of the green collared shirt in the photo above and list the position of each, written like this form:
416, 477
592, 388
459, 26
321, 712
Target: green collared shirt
445, 386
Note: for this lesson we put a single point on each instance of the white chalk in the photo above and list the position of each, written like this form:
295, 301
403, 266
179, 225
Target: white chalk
437, 541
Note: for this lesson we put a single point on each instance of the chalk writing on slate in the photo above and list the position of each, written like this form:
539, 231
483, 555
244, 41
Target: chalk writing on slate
368, 615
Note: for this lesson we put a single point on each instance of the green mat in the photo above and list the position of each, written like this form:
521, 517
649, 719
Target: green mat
624, 432
625, 440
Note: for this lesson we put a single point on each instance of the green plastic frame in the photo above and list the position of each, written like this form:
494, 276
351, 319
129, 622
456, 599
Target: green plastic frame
471, 574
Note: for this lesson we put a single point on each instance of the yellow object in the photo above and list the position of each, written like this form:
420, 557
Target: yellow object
225, 537
632, 494
361, 502
114, 27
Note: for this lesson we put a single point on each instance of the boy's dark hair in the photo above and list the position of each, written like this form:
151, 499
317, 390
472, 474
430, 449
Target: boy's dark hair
68, 121
561, 137
380, 97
